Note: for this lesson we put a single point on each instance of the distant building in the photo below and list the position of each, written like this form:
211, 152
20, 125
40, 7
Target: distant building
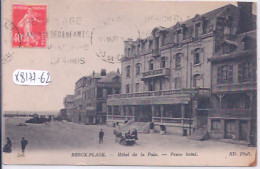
67, 112
166, 77
91, 96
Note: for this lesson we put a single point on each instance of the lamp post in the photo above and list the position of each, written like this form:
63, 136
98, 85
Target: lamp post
190, 97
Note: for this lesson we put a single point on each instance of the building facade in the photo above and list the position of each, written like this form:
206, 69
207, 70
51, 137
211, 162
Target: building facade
234, 89
166, 77
91, 96
67, 112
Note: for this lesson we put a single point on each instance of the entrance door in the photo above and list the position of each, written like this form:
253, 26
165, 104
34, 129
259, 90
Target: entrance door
230, 129
243, 130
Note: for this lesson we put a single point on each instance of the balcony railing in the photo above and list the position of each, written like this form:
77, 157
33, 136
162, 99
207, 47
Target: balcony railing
119, 118
156, 52
173, 121
193, 91
155, 73
229, 113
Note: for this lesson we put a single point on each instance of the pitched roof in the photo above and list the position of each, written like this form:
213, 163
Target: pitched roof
109, 77
69, 98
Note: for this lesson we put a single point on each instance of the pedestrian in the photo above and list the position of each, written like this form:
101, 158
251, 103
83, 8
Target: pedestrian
101, 135
23, 144
8, 147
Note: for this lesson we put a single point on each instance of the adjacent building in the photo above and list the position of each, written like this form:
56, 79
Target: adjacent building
167, 77
234, 86
90, 96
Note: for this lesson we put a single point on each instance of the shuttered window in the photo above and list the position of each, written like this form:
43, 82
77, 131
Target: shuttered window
225, 74
246, 71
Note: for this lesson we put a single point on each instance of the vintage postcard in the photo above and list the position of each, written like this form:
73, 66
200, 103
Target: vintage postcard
157, 83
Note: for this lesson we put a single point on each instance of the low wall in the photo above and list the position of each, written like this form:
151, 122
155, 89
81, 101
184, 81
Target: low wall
173, 130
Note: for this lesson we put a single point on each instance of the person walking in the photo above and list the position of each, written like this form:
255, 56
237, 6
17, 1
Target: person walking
23, 144
8, 147
101, 135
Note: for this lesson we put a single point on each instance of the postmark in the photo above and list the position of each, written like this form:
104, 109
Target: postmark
31, 26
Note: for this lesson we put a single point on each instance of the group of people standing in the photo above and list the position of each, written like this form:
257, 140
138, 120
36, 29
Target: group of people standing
8, 146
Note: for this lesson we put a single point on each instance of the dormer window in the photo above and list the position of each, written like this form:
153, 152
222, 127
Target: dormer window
150, 44
143, 46
197, 29
138, 49
178, 36
226, 49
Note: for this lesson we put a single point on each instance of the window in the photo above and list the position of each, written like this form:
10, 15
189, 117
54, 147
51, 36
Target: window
143, 46
127, 88
197, 28
150, 86
137, 86
226, 49
128, 52
133, 51
246, 71
178, 60
249, 44
163, 62
177, 82
225, 74
161, 84
138, 67
104, 92
156, 42
151, 64
117, 90
150, 44
104, 107
138, 49
128, 70
215, 124
197, 56
196, 80
99, 106
178, 36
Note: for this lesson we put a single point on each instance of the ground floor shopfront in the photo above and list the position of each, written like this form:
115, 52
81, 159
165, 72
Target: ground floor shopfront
233, 116
175, 109
88, 117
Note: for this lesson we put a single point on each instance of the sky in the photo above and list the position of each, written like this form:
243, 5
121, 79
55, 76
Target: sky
105, 26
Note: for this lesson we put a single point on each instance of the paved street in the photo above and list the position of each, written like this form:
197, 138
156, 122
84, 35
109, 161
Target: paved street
55, 142
71, 136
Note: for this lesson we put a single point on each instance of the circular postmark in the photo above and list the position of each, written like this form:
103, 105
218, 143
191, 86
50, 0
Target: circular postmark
107, 38
10, 26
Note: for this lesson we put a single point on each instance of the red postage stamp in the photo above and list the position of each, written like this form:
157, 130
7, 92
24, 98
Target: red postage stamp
29, 25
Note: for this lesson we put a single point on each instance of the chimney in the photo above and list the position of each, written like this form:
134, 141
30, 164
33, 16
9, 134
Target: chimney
245, 16
103, 72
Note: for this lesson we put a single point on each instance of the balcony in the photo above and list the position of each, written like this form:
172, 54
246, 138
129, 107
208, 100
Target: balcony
229, 113
156, 52
163, 72
119, 118
176, 122
178, 96
193, 91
